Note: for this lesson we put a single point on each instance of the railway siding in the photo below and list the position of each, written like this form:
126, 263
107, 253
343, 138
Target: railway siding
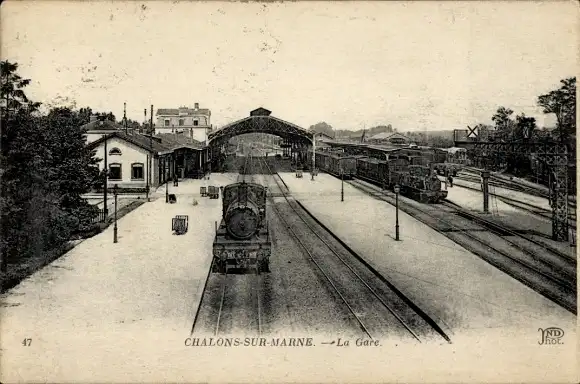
507, 214
456, 288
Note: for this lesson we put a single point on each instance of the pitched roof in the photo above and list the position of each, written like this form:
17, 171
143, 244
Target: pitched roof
324, 135
174, 141
260, 112
102, 125
139, 140
387, 135
188, 111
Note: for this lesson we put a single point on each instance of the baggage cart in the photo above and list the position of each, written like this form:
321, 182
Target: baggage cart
180, 224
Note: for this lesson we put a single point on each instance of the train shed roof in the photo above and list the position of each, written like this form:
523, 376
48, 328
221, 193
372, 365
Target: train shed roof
260, 121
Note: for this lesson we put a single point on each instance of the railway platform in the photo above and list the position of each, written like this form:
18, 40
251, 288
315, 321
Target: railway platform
104, 308
469, 298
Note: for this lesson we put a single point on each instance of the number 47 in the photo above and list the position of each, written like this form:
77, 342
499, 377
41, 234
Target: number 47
27, 342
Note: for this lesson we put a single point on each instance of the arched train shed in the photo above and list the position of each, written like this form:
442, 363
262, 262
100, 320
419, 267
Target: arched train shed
297, 141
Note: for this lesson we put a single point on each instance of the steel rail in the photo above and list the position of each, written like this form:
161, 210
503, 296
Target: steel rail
297, 238
559, 283
342, 260
496, 227
223, 296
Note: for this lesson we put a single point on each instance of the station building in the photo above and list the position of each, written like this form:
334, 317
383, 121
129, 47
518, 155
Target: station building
129, 154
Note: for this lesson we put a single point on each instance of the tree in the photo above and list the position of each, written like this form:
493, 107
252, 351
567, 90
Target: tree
323, 127
13, 88
107, 115
504, 125
73, 166
525, 127
132, 124
381, 129
45, 169
440, 141
85, 115
562, 103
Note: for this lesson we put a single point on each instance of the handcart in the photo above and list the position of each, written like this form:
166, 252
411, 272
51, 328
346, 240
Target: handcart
180, 224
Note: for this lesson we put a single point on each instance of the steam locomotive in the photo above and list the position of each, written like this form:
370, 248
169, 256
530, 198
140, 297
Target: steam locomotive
411, 173
242, 239
410, 169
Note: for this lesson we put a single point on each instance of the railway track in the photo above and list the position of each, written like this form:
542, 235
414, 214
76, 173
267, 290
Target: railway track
375, 306
549, 272
237, 298
473, 176
568, 262
534, 209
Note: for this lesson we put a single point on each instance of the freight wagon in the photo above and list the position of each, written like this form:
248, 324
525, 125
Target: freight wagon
453, 161
336, 163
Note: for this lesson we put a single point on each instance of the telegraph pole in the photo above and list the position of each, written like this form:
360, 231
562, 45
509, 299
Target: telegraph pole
105, 184
115, 226
397, 190
125, 116
146, 129
151, 146
484, 185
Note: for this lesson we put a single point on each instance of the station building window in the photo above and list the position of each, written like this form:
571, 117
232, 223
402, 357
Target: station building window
114, 151
137, 171
181, 121
196, 122
167, 121
115, 171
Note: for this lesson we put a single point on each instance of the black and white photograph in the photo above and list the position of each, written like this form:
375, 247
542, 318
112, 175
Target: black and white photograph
288, 191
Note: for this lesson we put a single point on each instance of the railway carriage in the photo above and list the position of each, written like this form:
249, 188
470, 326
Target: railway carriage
454, 160
242, 239
373, 170
337, 163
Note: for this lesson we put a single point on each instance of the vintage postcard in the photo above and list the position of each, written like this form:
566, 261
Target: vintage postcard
301, 191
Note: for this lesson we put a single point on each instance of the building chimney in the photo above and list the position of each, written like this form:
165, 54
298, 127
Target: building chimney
92, 118
196, 106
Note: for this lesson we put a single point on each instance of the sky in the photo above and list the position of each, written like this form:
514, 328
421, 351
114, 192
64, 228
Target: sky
415, 65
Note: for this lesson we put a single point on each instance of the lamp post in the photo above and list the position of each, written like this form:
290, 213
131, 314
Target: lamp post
313, 156
106, 169
341, 185
484, 186
166, 188
115, 226
397, 190
386, 165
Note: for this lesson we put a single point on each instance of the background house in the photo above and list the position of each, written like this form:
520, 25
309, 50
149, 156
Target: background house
192, 122
389, 138
321, 140
98, 126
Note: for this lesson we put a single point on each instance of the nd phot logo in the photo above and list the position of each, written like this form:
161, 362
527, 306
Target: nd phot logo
550, 335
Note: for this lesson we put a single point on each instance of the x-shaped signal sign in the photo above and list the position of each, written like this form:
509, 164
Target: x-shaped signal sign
471, 131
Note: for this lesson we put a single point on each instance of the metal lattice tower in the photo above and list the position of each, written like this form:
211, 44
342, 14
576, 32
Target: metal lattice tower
554, 154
